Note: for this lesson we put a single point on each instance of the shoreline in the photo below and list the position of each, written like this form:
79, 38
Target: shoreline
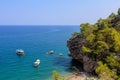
81, 76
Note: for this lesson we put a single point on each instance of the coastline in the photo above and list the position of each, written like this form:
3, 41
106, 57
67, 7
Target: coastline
81, 76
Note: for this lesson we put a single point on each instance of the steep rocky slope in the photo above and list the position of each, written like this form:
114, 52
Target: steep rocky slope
97, 47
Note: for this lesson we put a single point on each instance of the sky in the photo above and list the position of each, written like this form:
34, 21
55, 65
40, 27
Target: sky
55, 12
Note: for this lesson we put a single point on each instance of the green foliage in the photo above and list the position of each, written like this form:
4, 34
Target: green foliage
90, 38
110, 36
75, 34
56, 76
101, 46
118, 77
99, 37
119, 11
86, 50
104, 72
90, 79
116, 23
87, 29
103, 39
112, 15
113, 61
101, 43
117, 46
113, 38
104, 23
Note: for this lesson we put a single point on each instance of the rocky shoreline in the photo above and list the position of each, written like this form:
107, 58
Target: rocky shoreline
81, 76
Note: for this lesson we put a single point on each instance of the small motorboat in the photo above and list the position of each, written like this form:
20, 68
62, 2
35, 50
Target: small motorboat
20, 51
36, 63
60, 54
50, 52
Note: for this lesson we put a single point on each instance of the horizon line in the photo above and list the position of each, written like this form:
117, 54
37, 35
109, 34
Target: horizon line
41, 25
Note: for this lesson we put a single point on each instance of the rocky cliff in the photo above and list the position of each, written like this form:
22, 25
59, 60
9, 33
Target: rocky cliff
97, 47
75, 48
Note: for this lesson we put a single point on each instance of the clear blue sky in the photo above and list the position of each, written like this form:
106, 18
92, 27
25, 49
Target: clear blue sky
55, 12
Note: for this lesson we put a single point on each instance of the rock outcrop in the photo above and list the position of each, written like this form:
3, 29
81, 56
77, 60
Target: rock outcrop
75, 45
97, 47
88, 64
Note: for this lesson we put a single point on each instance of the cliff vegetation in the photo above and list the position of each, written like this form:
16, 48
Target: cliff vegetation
97, 47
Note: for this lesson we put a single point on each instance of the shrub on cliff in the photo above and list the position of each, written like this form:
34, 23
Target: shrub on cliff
75, 34
119, 11
104, 42
104, 72
56, 76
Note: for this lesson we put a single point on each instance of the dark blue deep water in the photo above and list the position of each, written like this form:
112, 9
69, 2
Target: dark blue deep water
36, 41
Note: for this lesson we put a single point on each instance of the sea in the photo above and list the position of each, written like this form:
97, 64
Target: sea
36, 41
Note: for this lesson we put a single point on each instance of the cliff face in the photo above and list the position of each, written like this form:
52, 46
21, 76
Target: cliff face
97, 47
75, 45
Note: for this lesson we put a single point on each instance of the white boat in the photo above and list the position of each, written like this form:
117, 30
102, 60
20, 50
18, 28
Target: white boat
50, 52
36, 63
20, 51
60, 54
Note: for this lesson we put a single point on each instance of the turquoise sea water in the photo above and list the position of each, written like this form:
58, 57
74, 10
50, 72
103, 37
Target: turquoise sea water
36, 41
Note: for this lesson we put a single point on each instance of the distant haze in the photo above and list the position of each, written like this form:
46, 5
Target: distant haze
55, 12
